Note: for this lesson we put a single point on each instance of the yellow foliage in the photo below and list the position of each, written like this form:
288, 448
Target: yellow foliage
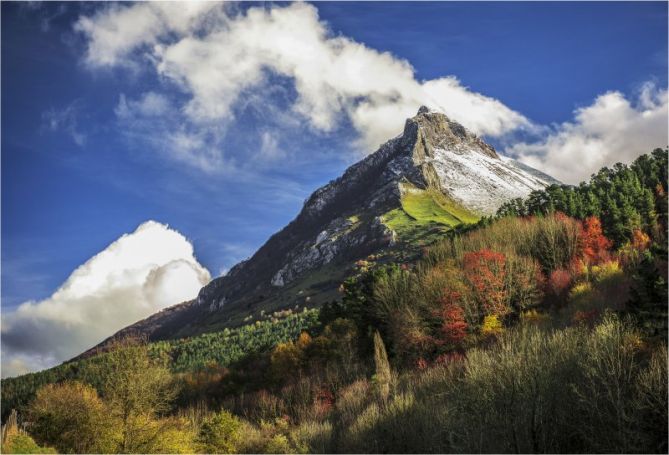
303, 341
633, 341
606, 271
72, 418
22, 443
491, 325
580, 289
534, 316
285, 360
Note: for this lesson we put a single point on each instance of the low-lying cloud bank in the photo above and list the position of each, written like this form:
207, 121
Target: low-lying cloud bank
139, 274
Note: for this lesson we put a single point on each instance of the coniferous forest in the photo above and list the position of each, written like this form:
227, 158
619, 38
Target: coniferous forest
542, 329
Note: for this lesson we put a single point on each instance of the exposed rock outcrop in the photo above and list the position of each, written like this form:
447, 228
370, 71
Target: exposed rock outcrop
342, 221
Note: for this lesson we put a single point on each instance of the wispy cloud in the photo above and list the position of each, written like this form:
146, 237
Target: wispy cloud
65, 120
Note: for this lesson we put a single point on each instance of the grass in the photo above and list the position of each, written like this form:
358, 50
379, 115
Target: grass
424, 213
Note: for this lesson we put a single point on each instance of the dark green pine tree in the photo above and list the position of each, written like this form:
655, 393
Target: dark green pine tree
646, 205
648, 296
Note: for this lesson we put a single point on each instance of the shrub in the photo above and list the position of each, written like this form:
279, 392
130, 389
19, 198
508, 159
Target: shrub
72, 418
559, 281
22, 443
485, 270
605, 393
651, 403
350, 402
453, 327
491, 326
553, 240
534, 317
512, 396
219, 433
168, 435
286, 361
580, 289
317, 436
606, 271
524, 282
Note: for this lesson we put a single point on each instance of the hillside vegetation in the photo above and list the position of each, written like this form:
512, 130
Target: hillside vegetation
543, 329
218, 349
425, 215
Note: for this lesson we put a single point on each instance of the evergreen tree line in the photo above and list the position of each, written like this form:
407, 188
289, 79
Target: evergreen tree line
624, 198
181, 356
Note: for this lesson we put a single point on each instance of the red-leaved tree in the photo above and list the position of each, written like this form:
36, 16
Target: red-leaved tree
559, 281
485, 270
454, 327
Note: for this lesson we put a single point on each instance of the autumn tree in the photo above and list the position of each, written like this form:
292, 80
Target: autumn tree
72, 418
485, 270
559, 282
595, 244
524, 282
453, 327
285, 361
137, 389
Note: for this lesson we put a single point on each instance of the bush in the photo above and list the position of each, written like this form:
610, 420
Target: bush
22, 443
651, 403
491, 326
219, 433
72, 418
606, 391
316, 436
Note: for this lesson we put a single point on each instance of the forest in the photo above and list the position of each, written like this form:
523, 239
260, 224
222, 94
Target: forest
541, 329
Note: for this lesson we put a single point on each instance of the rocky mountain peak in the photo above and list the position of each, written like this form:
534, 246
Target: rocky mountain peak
450, 174
429, 130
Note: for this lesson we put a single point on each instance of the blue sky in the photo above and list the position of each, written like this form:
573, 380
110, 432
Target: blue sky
88, 152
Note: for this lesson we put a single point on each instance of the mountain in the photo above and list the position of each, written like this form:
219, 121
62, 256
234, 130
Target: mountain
434, 176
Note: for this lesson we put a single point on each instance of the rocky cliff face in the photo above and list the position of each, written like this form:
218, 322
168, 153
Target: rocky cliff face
344, 220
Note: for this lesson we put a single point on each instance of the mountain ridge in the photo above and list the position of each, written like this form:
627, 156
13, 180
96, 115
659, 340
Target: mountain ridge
418, 182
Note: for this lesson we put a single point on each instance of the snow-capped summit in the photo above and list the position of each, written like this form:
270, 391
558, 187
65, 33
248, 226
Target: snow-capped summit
434, 176
469, 170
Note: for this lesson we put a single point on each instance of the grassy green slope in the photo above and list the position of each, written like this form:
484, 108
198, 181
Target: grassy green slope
424, 215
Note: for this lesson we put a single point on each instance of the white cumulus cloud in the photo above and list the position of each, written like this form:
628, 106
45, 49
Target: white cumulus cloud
220, 58
214, 60
137, 275
612, 129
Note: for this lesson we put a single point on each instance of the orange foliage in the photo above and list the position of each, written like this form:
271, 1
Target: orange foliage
303, 341
659, 191
640, 240
561, 216
595, 244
